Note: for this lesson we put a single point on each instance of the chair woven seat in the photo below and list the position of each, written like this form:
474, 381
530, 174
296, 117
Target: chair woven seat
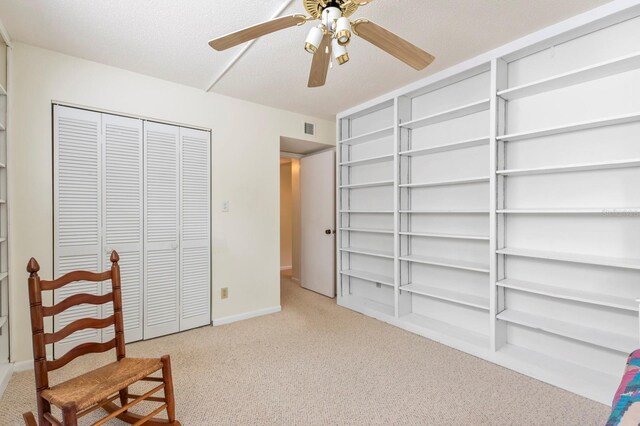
97, 385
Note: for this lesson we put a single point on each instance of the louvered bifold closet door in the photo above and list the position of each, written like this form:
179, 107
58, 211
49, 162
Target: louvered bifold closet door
77, 195
122, 216
195, 256
161, 187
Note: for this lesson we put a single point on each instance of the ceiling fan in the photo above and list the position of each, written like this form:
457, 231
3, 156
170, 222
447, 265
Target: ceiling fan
331, 36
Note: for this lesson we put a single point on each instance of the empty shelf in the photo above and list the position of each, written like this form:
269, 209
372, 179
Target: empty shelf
369, 252
448, 295
2, 128
368, 211
446, 147
446, 211
602, 338
446, 236
369, 276
584, 125
367, 184
368, 137
571, 168
447, 115
447, 263
370, 160
3, 91
367, 305
447, 329
562, 372
3, 275
446, 182
571, 294
368, 230
582, 75
3, 321
614, 262
569, 211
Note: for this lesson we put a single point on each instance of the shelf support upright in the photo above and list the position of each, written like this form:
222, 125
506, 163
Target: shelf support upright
342, 203
498, 113
402, 202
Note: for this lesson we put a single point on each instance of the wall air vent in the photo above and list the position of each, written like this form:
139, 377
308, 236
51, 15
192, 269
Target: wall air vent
309, 129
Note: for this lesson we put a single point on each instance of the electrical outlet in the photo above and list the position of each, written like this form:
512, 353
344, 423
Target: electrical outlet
225, 207
224, 293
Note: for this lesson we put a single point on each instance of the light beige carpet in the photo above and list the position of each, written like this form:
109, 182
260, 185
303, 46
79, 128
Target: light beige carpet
318, 364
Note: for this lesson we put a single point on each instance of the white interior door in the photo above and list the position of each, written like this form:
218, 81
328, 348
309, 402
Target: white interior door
122, 216
161, 263
317, 222
77, 201
195, 244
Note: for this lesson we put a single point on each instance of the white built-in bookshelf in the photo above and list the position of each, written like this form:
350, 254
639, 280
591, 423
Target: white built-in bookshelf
497, 210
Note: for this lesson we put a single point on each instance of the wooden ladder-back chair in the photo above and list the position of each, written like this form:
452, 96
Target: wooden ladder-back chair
99, 388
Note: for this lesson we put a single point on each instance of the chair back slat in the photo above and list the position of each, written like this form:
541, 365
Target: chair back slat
75, 276
76, 299
39, 312
78, 325
83, 349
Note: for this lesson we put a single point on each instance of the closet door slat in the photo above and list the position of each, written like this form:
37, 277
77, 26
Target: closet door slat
195, 255
161, 254
77, 211
122, 214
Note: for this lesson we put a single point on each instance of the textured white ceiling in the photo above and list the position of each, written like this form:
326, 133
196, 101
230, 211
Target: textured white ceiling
168, 39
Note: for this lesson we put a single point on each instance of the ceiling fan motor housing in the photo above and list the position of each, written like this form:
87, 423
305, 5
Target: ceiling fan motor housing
316, 7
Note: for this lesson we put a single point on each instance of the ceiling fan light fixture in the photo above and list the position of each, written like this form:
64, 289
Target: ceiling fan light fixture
343, 31
339, 52
313, 40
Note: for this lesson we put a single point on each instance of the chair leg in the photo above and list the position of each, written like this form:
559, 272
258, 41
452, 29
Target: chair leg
69, 415
124, 396
29, 419
168, 388
43, 407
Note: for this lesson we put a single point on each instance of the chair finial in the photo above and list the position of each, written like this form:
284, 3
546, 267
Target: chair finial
33, 267
114, 257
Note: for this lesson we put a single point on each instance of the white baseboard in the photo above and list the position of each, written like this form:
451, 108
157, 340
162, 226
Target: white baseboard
6, 371
286, 268
246, 315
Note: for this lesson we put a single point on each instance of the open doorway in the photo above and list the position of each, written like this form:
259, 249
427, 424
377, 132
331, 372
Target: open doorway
290, 218
307, 215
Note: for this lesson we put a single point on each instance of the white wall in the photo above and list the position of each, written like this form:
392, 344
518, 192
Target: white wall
286, 217
245, 171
